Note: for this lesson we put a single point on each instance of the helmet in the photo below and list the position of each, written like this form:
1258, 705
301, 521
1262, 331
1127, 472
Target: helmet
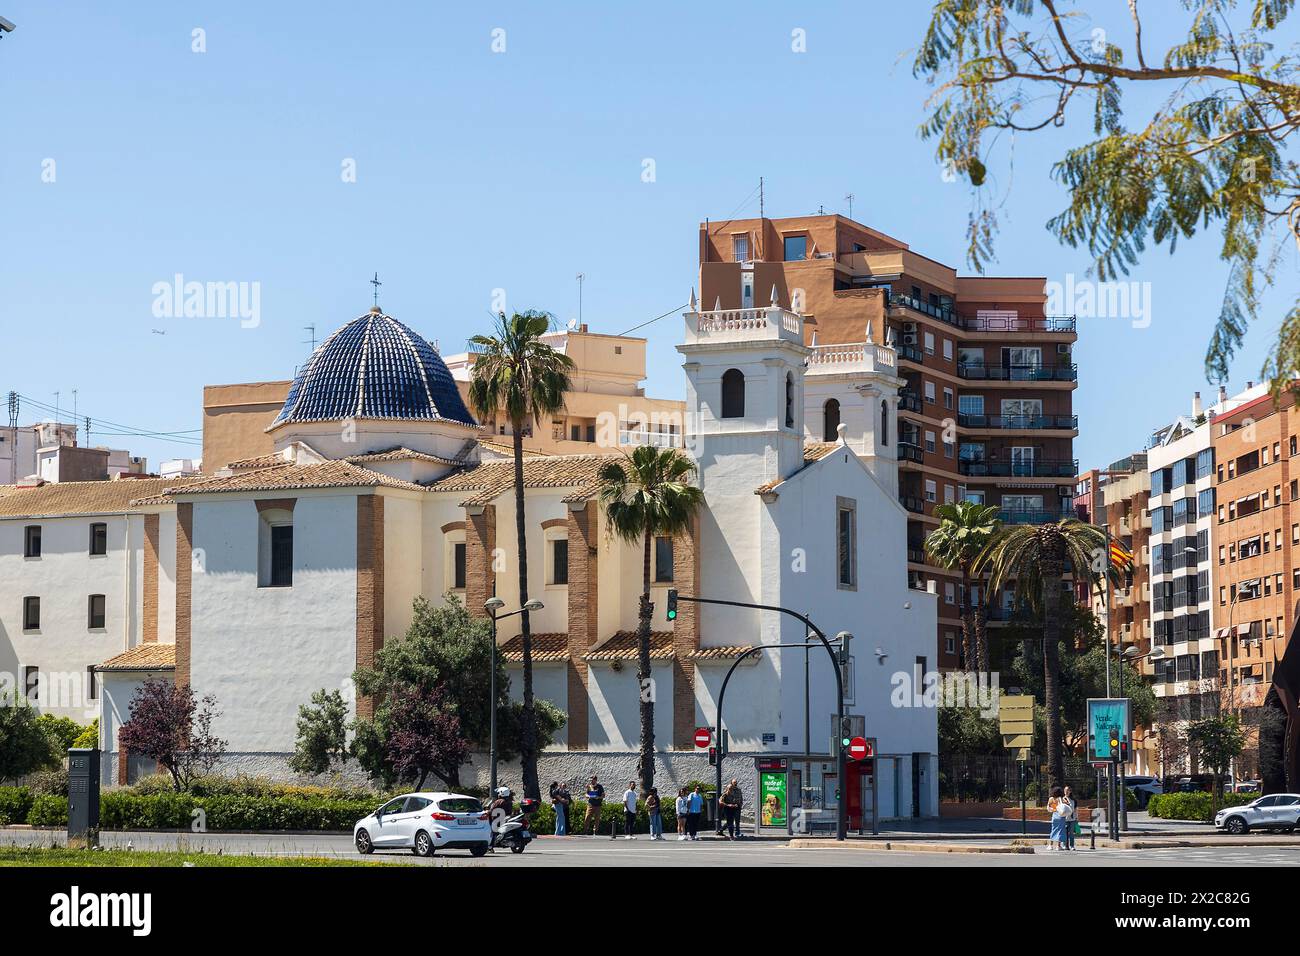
503, 791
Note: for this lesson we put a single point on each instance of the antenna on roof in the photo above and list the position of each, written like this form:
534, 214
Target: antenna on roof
760, 198
312, 329
849, 197
581, 276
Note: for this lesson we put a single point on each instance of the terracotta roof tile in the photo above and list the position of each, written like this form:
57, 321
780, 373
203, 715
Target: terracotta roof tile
623, 647
400, 453
812, 451
326, 474
142, 657
490, 479
261, 461
83, 497
507, 449
718, 653
547, 648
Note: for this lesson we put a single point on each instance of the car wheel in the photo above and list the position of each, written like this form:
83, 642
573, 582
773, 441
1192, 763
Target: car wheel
423, 844
1236, 826
478, 851
364, 845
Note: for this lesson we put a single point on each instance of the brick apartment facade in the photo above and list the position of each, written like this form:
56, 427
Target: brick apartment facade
986, 413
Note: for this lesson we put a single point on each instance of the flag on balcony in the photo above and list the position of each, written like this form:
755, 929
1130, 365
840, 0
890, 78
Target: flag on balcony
1120, 556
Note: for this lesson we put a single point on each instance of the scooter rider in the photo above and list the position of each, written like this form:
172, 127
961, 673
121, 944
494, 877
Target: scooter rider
501, 809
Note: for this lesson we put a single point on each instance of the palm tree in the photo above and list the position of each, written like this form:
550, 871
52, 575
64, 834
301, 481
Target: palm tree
520, 376
647, 494
1035, 559
965, 530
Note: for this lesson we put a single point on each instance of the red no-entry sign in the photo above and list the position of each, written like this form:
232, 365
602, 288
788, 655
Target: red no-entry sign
859, 748
703, 737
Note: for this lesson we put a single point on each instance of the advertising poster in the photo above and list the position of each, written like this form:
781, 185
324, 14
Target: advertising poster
771, 787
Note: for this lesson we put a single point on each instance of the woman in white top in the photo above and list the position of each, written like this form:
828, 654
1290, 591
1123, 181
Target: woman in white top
1069, 813
680, 809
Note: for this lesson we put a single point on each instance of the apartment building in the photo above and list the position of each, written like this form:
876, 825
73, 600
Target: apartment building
985, 409
1124, 490
1257, 549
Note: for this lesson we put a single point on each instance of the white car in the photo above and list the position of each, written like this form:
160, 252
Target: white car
425, 823
1277, 811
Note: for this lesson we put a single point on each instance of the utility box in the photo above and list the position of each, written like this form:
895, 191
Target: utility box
83, 795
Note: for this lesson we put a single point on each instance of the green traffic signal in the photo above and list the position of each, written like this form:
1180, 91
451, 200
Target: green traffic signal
672, 604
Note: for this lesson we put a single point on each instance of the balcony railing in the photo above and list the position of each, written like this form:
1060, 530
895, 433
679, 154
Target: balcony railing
741, 325
988, 321
1032, 515
1019, 373
910, 452
1037, 468
909, 401
1019, 422
915, 554
912, 503
851, 357
910, 353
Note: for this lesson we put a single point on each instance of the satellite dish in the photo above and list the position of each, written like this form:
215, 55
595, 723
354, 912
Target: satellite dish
573, 324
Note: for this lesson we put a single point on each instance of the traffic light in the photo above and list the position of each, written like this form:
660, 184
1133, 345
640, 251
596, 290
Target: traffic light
846, 732
1123, 751
713, 756
672, 604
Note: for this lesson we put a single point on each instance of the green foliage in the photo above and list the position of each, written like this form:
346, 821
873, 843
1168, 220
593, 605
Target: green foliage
25, 746
1217, 740
243, 785
1194, 806
62, 731
15, 805
322, 734
48, 811
515, 372
1210, 153
89, 737
962, 730
446, 649
611, 815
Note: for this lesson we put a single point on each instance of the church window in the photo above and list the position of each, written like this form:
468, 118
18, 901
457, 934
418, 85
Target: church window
830, 419
846, 533
559, 561
733, 393
789, 400
275, 548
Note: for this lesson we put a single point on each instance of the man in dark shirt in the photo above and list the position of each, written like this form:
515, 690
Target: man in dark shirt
595, 799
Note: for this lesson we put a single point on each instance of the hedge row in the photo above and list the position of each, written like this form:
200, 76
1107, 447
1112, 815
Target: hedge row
1194, 806
179, 811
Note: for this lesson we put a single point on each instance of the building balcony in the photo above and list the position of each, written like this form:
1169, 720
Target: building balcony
992, 322
850, 358
912, 503
909, 401
915, 553
1019, 373
1035, 468
1020, 422
910, 353
910, 452
1032, 515
948, 316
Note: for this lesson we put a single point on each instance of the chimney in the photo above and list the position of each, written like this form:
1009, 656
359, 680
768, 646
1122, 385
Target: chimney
1223, 394
1197, 411
1249, 386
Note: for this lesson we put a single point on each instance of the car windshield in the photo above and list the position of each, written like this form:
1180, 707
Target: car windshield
459, 805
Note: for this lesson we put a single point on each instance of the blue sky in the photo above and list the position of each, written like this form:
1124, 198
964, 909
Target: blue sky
478, 171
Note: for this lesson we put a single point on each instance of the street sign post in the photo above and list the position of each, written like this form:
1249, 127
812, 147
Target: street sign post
1016, 723
703, 736
859, 749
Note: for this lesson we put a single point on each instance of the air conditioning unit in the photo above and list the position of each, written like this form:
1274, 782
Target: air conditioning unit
1062, 348
909, 327
909, 338
1065, 491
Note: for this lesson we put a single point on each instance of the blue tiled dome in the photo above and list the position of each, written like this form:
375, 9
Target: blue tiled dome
374, 367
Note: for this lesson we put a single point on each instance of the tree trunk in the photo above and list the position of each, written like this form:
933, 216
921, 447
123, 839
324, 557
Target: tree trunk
646, 764
969, 648
1051, 572
528, 715
419, 784
981, 632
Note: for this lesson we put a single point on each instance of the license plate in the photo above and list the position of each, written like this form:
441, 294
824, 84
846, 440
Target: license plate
468, 822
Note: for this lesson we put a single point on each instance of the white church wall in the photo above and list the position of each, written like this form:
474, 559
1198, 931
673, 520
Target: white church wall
263, 651
550, 682
437, 512
167, 576
614, 715
403, 559
117, 690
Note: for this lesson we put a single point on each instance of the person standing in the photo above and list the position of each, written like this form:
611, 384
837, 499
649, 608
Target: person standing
1055, 804
595, 800
629, 810
1070, 816
560, 803
730, 802
652, 811
681, 809
694, 807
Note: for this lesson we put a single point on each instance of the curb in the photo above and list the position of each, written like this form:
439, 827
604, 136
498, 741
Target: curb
822, 844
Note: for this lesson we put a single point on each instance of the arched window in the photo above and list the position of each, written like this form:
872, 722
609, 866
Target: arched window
831, 420
733, 393
884, 423
789, 400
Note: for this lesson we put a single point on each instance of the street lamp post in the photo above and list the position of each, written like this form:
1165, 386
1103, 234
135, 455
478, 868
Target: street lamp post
492, 605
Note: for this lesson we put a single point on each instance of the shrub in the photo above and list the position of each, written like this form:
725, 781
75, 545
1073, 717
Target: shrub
15, 805
611, 815
90, 736
48, 811
51, 782
1193, 806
